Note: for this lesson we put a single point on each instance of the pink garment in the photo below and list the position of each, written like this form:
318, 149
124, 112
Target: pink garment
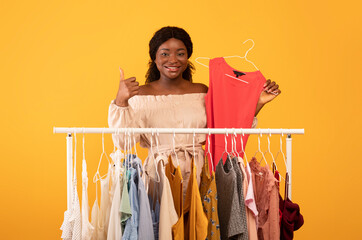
249, 197
230, 102
266, 193
250, 217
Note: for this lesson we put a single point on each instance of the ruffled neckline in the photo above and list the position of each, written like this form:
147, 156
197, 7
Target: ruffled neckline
170, 97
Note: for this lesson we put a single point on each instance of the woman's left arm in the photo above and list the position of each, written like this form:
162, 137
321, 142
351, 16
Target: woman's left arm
271, 90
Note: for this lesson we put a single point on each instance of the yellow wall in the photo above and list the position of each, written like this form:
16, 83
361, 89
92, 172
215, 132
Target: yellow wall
59, 67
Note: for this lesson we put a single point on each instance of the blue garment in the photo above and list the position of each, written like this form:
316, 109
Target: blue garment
145, 218
131, 229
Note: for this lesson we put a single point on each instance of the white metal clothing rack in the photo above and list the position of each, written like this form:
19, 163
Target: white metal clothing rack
260, 131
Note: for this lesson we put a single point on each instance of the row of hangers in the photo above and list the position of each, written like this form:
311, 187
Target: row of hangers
128, 150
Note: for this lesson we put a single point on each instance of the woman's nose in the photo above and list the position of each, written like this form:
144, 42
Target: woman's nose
172, 58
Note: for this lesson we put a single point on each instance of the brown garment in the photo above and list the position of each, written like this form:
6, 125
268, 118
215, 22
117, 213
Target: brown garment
208, 194
194, 216
266, 193
175, 178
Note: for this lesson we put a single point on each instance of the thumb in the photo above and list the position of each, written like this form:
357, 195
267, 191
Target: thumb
121, 73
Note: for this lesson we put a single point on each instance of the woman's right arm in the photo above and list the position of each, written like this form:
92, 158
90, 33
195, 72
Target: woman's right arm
120, 113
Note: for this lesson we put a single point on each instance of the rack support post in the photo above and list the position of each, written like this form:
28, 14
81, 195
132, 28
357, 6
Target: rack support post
69, 170
289, 163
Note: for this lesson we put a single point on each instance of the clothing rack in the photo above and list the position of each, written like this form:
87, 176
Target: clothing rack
259, 131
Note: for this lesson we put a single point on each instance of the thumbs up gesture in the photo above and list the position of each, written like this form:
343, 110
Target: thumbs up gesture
127, 88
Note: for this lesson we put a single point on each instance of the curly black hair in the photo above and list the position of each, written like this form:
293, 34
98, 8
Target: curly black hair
160, 37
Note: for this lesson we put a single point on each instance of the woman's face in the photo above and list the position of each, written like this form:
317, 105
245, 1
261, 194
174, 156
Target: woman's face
171, 58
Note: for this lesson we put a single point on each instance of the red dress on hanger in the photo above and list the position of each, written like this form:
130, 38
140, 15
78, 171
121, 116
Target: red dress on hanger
230, 102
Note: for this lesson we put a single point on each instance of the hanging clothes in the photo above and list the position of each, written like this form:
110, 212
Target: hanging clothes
250, 217
266, 193
168, 214
239, 183
72, 224
105, 207
87, 228
145, 217
208, 193
114, 225
125, 206
227, 95
160, 111
194, 216
229, 210
131, 227
175, 179
292, 219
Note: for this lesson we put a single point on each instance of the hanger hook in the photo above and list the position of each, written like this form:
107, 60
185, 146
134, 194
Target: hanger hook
246, 53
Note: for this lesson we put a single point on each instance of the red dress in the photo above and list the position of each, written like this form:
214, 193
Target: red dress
230, 103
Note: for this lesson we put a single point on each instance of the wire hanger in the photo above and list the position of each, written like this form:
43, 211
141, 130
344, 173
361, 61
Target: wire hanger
259, 151
281, 151
97, 176
244, 57
268, 150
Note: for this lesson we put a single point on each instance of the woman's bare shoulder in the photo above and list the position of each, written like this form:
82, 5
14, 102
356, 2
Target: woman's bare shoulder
199, 88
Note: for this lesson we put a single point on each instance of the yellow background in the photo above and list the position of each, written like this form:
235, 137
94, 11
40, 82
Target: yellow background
59, 67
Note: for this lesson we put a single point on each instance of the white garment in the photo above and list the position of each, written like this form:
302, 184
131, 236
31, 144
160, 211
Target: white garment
75, 219
168, 214
87, 228
105, 206
94, 221
114, 226
72, 225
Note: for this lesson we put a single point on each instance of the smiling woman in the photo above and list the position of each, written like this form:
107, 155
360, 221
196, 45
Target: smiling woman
169, 99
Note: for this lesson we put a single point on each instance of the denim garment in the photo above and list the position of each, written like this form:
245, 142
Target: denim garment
131, 229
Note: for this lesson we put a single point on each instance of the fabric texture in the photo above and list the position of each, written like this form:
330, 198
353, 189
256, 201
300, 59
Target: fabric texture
250, 217
194, 217
208, 193
145, 218
228, 95
173, 111
131, 227
168, 215
114, 226
228, 200
239, 183
174, 177
267, 201
87, 228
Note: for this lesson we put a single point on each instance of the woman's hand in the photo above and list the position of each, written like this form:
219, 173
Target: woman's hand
271, 90
127, 89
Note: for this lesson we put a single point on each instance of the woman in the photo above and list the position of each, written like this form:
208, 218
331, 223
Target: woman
169, 99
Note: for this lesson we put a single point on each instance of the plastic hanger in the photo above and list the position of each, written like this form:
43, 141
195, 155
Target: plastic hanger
154, 159
259, 151
233, 146
97, 176
226, 148
242, 147
208, 153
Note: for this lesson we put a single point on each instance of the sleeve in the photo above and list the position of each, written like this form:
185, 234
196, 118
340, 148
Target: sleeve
122, 117
255, 122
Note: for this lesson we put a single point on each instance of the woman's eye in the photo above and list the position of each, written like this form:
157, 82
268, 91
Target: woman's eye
164, 54
181, 54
